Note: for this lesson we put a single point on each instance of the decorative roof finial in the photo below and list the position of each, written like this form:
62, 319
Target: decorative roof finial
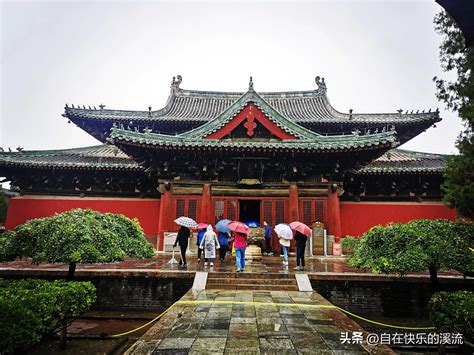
101, 106
251, 84
400, 111
175, 83
321, 84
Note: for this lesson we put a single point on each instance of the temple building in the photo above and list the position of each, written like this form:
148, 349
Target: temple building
273, 156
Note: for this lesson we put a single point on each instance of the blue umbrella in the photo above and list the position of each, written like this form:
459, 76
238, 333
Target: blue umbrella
221, 226
252, 224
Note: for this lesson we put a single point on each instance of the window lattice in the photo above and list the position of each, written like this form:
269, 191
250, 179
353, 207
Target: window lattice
232, 210
219, 211
192, 208
319, 211
307, 212
180, 208
279, 212
267, 212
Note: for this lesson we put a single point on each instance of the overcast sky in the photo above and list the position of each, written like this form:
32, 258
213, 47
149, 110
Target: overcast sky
376, 56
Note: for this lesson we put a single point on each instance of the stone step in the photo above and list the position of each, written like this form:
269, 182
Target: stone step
252, 287
258, 281
249, 275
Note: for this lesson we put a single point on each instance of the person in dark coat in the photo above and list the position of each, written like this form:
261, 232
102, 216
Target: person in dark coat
182, 239
224, 243
300, 240
268, 239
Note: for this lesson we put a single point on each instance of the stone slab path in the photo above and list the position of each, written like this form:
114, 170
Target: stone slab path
252, 322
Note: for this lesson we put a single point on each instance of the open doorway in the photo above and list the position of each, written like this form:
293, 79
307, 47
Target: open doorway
249, 210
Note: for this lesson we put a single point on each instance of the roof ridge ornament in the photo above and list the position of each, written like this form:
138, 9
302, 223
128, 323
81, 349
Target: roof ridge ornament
175, 83
251, 84
321, 84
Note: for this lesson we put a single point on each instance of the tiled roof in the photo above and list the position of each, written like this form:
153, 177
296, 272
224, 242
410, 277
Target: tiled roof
399, 161
102, 157
324, 143
109, 157
202, 106
307, 139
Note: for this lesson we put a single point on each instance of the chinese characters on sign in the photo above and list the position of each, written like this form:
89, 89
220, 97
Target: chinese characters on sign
402, 338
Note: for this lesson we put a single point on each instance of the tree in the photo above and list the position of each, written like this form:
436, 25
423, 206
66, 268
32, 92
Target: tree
32, 308
458, 96
76, 236
420, 245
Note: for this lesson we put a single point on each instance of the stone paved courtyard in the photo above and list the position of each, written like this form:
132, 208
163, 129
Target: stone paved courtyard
256, 323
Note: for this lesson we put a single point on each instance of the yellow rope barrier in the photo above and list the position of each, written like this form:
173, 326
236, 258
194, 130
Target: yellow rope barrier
251, 303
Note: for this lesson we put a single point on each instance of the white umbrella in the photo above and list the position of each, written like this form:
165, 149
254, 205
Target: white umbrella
284, 231
186, 222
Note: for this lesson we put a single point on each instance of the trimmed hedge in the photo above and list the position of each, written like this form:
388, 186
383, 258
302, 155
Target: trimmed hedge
453, 312
77, 236
32, 308
416, 246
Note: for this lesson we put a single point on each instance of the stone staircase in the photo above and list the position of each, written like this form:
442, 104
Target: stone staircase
251, 281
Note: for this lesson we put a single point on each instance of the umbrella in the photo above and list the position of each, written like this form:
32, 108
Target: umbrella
221, 226
202, 225
252, 224
239, 227
186, 222
284, 231
301, 227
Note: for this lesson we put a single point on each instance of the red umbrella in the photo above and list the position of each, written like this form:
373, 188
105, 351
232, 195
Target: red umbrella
301, 227
202, 225
239, 227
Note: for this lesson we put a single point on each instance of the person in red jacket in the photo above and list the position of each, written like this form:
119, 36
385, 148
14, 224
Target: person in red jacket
240, 244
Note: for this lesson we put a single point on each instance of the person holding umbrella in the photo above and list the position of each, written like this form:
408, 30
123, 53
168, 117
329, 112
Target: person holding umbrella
223, 231
183, 237
240, 243
285, 234
209, 243
300, 240
301, 236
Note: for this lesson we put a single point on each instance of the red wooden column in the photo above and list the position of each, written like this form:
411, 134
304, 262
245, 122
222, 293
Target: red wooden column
206, 205
333, 214
293, 214
165, 216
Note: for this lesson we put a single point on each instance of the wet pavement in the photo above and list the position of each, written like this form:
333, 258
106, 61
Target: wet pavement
317, 268
254, 322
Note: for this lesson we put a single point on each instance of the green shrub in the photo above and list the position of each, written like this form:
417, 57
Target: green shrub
349, 245
77, 236
453, 312
30, 309
419, 245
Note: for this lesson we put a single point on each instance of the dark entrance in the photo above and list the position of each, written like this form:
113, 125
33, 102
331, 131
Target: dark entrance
249, 210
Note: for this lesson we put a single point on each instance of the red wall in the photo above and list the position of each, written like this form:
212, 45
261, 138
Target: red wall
358, 217
23, 208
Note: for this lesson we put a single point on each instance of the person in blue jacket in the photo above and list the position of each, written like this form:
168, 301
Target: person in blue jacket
224, 243
268, 239
198, 243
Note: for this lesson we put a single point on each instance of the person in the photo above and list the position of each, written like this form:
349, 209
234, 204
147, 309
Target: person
198, 243
182, 239
300, 240
285, 246
268, 239
209, 243
240, 244
224, 245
